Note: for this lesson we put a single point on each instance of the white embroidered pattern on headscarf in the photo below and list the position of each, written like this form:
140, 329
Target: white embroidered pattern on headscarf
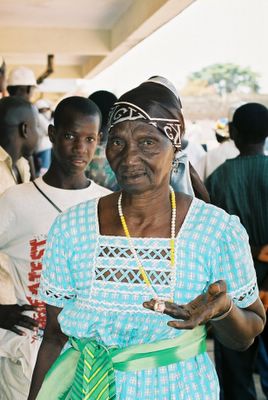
127, 111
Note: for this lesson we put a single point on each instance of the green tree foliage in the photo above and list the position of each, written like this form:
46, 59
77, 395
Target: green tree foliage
227, 78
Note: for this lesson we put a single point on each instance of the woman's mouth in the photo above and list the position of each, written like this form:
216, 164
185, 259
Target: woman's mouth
133, 176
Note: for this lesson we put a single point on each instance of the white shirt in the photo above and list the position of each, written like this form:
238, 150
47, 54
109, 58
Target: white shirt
195, 152
215, 157
44, 142
7, 177
26, 217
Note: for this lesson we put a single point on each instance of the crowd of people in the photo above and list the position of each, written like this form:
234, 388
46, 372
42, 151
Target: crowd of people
118, 255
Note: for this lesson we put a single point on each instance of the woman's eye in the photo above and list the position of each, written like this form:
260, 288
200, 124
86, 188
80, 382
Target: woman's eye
117, 142
147, 142
90, 139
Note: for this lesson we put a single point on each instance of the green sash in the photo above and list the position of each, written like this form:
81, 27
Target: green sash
86, 371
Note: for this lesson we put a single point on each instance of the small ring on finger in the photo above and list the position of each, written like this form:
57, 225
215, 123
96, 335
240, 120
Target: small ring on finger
159, 306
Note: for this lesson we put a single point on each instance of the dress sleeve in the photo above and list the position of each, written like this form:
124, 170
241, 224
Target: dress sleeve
57, 286
232, 261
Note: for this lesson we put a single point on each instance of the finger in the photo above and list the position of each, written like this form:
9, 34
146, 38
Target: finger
181, 324
171, 309
149, 304
28, 307
27, 325
29, 320
17, 331
201, 318
188, 324
216, 288
176, 311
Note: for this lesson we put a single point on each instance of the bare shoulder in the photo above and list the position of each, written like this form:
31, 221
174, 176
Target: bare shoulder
108, 214
108, 200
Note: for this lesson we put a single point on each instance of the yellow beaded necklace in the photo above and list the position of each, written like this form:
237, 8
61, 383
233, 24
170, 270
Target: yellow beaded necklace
172, 241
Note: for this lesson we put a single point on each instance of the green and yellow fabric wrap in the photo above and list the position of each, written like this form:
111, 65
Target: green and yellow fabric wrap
86, 370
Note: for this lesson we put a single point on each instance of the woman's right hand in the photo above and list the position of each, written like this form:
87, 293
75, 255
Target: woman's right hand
199, 311
12, 317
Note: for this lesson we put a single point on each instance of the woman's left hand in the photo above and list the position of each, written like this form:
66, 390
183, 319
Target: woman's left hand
199, 311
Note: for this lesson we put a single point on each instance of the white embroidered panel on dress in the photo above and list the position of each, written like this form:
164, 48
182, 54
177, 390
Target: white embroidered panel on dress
246, 292
127, 272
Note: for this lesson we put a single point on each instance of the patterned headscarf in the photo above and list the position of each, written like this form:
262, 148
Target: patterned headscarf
155, 102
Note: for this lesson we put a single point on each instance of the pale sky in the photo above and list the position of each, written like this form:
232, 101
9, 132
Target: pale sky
207, 32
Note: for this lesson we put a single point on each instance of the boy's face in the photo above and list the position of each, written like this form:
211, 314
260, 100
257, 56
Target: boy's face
75, 141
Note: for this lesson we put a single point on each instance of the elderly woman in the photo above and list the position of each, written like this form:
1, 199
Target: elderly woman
106, 259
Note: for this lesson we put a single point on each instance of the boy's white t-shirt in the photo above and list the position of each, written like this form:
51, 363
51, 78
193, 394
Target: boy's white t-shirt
25, 219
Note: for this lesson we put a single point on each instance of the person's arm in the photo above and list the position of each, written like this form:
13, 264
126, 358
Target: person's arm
50, 349
240, 327
264, 293
234, 327
260, 253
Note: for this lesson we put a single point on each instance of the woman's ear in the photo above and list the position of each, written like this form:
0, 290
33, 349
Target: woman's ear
51, 133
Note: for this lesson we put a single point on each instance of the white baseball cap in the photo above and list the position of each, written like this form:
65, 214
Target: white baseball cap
21, 76
42, 103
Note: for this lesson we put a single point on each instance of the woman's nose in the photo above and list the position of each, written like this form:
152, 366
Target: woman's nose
131, 154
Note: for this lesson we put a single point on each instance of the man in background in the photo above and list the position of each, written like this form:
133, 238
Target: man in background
42, 154
18, 138
21, 82
2, 78
226, 149
240, 187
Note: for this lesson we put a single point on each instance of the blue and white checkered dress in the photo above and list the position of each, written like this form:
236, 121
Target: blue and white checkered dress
95, 279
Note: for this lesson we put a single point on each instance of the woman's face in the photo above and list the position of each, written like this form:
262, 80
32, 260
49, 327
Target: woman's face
140, 155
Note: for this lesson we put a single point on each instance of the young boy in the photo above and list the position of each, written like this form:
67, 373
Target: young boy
26, 212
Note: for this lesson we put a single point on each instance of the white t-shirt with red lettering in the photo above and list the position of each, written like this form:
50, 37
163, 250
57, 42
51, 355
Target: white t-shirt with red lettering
25, 219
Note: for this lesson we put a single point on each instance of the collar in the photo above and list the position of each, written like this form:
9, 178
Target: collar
4, 156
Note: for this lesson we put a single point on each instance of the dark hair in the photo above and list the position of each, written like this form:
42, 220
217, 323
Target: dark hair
18, 89
79, 105
9, 107
104, 100
251, 123
13, 111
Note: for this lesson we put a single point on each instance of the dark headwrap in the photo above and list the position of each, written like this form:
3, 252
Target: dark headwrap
155, 102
